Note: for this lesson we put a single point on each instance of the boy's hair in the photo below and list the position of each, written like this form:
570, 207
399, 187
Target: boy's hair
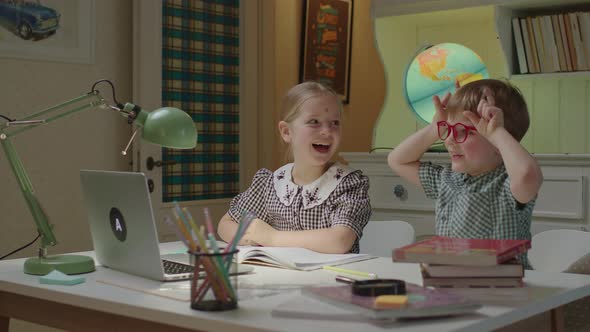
507, 97
294, 99
299, 94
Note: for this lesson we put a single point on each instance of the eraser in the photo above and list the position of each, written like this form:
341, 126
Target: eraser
390, 301
56, 277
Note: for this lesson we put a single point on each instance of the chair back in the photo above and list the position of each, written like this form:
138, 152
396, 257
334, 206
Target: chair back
555, 250
381, 237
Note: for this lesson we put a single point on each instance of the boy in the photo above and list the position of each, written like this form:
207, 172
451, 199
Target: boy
490, 188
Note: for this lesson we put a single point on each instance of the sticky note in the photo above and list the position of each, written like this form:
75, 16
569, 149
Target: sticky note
56, 277
390, 301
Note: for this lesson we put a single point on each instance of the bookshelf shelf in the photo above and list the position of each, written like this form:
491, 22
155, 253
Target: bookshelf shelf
565, 74
504, 13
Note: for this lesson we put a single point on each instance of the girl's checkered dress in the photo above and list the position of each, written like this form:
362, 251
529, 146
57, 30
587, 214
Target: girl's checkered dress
339, 197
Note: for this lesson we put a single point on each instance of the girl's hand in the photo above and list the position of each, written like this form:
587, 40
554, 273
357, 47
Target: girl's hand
488, 117
258, 233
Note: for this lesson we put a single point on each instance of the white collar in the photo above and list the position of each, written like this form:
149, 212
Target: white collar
314, 193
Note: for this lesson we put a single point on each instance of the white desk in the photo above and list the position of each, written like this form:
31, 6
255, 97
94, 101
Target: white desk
97, 306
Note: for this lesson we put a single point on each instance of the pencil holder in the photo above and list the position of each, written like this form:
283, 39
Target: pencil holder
212, 286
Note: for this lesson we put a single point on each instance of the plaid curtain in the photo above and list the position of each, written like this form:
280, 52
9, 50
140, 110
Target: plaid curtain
200, 55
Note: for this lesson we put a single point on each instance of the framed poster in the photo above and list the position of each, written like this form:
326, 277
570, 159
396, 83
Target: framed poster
326, 44
51, 30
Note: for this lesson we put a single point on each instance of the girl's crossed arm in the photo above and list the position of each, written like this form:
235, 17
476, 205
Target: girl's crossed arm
334, 240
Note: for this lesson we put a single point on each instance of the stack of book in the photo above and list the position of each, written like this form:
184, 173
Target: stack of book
461, 263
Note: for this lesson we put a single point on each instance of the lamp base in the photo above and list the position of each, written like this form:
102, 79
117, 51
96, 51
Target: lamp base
68, 264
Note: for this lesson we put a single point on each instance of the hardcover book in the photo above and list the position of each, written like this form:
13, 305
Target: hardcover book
473, 282
512, 268
459, 251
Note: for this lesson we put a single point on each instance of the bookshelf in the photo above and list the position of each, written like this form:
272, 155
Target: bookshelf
504, 13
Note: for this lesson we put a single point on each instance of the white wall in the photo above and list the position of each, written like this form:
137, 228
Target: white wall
54, 154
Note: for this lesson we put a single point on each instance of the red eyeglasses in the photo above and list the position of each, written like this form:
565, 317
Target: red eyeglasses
460, 131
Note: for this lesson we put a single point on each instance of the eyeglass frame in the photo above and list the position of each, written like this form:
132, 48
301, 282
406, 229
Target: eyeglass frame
453, 131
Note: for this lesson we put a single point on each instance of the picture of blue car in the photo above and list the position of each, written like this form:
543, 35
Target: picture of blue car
28, 19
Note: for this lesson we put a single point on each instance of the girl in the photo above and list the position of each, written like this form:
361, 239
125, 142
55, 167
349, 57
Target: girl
311, 203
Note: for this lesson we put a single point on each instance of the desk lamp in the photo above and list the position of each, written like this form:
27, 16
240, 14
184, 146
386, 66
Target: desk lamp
168, 127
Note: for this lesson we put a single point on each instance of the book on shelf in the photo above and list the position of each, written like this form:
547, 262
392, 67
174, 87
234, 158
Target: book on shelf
520, 49
570, 41
584, 24
460, 251
421, 302
565, 42
533, 45
581, 63
539, 42
558, 43
549, 46
531, 66
506, 282
512, 268
293, 258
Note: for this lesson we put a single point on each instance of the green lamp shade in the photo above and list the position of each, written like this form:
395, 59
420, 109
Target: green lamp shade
434, 70
169, 127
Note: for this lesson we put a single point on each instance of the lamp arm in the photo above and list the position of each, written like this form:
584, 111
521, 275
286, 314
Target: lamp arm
89, 101
24, 183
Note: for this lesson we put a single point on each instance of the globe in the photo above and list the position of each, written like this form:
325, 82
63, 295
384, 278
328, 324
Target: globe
434, 72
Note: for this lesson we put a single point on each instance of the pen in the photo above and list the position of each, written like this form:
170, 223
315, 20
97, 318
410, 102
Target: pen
352, 272
345, 280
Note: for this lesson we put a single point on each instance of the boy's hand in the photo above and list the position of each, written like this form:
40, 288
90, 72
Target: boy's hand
441, 105
488, 117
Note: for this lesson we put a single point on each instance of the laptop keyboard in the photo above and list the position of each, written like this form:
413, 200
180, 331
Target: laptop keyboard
171, 267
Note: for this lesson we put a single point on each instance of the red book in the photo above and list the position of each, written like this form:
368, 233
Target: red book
457, 251
512, 268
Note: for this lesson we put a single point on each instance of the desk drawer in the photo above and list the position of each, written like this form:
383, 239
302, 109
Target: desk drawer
393, 192
561, 197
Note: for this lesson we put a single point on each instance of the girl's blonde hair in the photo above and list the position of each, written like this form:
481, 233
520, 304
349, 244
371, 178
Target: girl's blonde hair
299, 94
296, 97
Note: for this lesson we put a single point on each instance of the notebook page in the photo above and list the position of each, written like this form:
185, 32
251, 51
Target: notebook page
299, 258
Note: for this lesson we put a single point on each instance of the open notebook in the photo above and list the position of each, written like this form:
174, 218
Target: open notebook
294, 258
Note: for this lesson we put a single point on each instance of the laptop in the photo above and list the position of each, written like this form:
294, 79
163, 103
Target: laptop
123, 230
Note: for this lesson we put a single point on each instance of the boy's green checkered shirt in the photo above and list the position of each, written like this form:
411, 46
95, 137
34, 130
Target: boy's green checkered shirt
479, 207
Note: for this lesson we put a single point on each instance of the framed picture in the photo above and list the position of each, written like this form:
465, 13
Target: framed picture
326, 44
52, 30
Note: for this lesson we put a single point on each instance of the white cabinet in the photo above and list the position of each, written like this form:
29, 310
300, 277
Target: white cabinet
562, 202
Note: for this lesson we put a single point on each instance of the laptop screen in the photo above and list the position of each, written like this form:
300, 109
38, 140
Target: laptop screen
122, 222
